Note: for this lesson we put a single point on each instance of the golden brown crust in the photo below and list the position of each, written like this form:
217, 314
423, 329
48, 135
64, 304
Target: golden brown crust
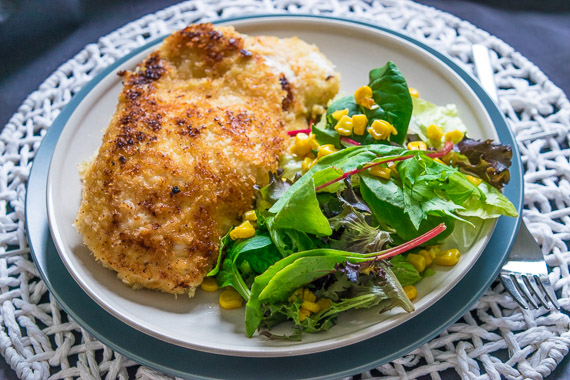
198, 124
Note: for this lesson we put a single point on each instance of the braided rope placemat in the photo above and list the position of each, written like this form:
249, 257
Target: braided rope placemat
494, 339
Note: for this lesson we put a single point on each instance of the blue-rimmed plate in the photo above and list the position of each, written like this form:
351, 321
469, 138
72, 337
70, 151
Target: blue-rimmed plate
172, 344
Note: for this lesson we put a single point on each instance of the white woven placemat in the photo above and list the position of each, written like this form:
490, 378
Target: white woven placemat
494, 340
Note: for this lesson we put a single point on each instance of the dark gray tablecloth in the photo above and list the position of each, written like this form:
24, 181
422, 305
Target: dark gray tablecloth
37, 36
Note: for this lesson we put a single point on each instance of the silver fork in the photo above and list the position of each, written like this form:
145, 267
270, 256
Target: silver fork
524, 275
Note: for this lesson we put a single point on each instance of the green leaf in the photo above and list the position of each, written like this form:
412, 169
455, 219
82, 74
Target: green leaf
302, 271
390, 92
492, 205
225, 242
368, 291
426, 113
302, 213
386, 200
358, 236
288, 240
335, 165
259, 251
325, 135
405, 272
486, 159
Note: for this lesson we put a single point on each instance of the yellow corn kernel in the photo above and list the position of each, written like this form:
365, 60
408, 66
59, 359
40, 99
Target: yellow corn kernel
250, 215
303, 314
308, 163
308, 296
324, 303
411, 291
439, 160
302, 145
455, 136
344, 126
311, 306
448, 257
417, 261
474, 180
313, 142
298, 293
427, 255
338, 114
359, 123
209, 284
434, 250
414, 93
434, 133
243, 231
381, 129
417, 145
230, 299
325, 150
363, 96
380, 171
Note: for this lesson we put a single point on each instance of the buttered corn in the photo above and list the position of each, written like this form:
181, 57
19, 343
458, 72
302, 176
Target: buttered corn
455, 136
474, 180
209, 284
363, 96
250, 215
359, 123
243, 231
308, 163
381, 129
309, 302
418, 261
417, 145
303, 314
230, 299
448, 257
434, 133
344, 126
302, 145
428, 256
380, 171
313, 307
309, 296
338, 114
325, 150
411, 291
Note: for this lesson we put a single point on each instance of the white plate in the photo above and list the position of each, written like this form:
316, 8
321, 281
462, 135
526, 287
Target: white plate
199, 323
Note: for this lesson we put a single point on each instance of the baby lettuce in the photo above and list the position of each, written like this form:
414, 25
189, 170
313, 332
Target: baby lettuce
426, 113
278, 282
379, 288
322, 231
485, 159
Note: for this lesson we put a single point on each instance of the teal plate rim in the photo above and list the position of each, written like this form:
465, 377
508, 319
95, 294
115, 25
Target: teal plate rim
345, 361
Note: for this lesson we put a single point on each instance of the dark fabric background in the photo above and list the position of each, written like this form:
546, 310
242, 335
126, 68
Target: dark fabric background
37, 36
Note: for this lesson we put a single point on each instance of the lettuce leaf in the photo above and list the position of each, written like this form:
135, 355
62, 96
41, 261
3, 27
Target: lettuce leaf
426, 113
485, 159
405, 272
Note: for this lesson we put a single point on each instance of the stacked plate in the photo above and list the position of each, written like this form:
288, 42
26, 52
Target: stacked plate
193, 337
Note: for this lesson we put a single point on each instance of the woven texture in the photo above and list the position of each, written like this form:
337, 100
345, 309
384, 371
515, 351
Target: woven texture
494, 340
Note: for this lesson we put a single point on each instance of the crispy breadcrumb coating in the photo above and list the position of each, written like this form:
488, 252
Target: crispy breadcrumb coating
198, 124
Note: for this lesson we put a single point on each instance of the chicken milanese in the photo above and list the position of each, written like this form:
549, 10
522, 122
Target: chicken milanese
198, 123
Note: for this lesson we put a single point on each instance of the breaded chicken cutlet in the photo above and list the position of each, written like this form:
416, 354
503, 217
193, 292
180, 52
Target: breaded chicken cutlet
198, 123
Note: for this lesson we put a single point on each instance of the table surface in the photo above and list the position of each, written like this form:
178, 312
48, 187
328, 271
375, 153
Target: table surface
53, 32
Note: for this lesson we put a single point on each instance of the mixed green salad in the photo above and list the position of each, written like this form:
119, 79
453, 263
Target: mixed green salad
357, 212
